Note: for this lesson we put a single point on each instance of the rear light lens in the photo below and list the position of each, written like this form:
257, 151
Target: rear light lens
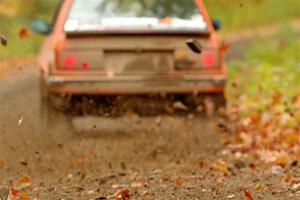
187, 60
70, 62
85, 65
208, 59
79, 60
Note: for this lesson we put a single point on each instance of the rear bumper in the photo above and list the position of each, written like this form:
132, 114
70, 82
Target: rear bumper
135, 84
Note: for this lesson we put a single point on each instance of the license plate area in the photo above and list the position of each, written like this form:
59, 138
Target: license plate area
139, 61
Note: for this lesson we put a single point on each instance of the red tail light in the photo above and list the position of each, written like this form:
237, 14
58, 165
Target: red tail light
208, 59
70, 62
85, 65
187, 60
79, 59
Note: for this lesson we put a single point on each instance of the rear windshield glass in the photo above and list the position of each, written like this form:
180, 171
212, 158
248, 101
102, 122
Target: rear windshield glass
125, 15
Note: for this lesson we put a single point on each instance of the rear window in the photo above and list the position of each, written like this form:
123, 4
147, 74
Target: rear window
142, 15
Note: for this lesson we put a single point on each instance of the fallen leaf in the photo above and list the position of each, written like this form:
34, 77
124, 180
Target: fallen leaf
24, 196
24, 180
258, 187
79, 161
122, 194
201, 164
221, 166
15, 192
179, 181
282, 160
23, 33
248, 195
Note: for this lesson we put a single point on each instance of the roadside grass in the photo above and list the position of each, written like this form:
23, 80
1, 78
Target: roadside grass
239, 14
234, 15
17, 16
268, 77
264, 101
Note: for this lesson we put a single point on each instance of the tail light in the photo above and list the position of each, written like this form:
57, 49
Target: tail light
188, 60
208, 59
79, 60
69, 61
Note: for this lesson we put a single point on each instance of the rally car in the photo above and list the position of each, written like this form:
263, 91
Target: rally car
99, 50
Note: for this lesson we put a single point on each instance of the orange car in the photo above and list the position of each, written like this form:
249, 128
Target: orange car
109, 47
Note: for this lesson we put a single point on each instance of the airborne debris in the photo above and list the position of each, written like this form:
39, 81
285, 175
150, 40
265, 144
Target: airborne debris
3, 40
23, 33
20, 121
209, 106
178, 105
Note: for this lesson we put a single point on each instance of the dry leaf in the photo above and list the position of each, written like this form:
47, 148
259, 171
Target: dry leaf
15, 192
282, 160
24, 180
248, 195
23, 33
258, 187
122, 194
24, 196
179, 181
221, 166
79, 161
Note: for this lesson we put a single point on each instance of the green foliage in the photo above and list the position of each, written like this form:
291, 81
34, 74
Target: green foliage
15, 14
271, 66
19, 17
252, 13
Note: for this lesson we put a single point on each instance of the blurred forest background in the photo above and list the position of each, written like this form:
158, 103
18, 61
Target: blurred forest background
234, 14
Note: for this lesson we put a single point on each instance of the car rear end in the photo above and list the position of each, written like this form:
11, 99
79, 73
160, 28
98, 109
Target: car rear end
113, 64
135, 55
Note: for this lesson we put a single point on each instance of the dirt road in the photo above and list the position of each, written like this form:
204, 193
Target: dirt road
152, 158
